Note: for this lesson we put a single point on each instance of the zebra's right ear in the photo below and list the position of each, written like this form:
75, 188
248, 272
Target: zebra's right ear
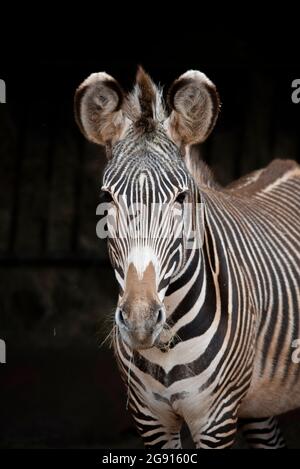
194, 103
98, 109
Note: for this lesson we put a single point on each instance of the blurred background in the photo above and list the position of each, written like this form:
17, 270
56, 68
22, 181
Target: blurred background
59, 388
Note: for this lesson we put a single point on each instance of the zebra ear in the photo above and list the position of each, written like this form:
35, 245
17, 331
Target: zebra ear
194, 103
98, 109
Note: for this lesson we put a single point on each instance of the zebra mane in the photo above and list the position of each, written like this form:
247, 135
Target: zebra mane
145, 105
200, 171
250, 184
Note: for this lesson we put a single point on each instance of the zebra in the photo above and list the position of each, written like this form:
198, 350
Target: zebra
208, 309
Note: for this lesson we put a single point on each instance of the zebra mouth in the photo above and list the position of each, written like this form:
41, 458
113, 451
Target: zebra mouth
162, 341
138, 345
140, 339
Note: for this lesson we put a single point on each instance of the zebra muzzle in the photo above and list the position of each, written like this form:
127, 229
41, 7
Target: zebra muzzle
140, 329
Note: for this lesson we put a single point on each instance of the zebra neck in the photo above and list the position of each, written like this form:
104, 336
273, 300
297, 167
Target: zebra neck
191, 298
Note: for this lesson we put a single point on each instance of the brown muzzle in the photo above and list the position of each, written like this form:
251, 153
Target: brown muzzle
140, 315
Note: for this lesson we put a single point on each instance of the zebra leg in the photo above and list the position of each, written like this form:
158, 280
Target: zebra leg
219, 435
262, 433
156, 433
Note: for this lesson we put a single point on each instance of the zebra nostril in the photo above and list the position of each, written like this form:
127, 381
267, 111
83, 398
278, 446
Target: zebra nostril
120, 319
160, 316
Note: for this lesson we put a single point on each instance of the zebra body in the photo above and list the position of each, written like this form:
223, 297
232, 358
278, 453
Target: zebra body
266, 381
203, 335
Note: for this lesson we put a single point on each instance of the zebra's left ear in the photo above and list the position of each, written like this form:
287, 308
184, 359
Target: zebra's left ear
98, 106
194, 103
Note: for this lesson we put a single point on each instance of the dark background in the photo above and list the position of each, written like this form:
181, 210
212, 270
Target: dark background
57, 291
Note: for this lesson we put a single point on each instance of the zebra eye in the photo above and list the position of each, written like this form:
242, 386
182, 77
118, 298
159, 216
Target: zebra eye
105, 197
180, 198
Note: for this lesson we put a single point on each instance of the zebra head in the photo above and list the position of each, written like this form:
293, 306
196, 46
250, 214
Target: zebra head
145, 184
